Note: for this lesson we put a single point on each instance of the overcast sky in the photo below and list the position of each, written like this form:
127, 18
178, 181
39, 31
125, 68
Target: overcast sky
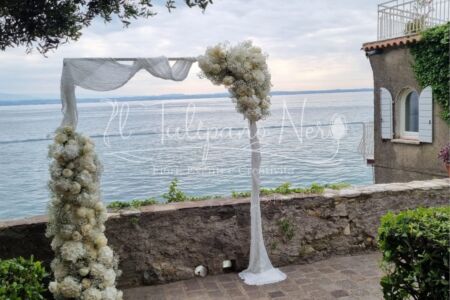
311, 45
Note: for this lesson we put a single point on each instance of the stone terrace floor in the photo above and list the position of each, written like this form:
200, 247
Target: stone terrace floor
342, 277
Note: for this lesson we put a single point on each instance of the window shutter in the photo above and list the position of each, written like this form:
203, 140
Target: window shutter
426, 115
386, 114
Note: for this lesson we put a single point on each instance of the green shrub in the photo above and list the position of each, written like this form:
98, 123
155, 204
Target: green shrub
316, 188
136, 203
174, 194
202, 198
119, 205
286, 189
21, 279
245, 194
337, 186
286, 227
415, 246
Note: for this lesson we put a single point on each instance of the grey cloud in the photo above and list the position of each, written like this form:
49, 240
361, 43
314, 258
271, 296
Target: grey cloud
320, 37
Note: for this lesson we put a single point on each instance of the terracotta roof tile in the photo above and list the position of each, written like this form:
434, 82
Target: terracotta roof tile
395, 42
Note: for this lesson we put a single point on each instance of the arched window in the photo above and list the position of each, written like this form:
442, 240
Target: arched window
412, 112
409, 119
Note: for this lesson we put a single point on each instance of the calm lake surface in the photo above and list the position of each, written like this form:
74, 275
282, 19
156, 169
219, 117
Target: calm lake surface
204, 143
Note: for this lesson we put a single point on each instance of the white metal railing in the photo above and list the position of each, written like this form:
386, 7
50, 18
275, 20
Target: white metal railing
398, 18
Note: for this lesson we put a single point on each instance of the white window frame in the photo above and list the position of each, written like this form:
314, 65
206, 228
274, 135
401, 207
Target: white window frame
406, 135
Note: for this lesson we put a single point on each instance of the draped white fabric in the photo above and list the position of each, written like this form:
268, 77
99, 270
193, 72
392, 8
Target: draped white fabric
260, 270
105, 74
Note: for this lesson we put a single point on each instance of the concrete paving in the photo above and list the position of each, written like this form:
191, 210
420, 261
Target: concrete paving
342, 277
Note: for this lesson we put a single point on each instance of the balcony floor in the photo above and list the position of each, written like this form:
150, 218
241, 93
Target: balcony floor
342, 277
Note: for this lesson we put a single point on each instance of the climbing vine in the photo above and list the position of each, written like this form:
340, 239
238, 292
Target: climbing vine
432, 64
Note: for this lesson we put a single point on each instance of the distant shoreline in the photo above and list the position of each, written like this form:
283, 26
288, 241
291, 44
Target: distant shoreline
15, 102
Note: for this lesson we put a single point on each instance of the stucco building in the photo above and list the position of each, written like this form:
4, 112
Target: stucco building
408, 128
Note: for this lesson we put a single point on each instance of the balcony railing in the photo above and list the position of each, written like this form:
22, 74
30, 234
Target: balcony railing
405, 17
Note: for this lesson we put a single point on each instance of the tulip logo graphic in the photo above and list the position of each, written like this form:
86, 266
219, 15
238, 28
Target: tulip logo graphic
338, 127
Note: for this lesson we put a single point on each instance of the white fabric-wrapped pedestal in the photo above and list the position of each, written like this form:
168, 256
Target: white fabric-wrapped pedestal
260, 270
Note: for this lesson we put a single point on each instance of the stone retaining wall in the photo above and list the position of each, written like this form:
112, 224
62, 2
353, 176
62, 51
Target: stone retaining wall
162, 243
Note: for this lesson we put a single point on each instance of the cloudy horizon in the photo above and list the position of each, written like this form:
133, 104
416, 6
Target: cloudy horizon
311, 46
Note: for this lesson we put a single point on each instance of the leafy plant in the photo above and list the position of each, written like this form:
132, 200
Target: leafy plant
51, 23
119, 205
174, 194
202, 198
431, 64
273, 246
415, 247
235, 194
22, 278
284, 188
287, 229
134, 220
316, 188
136, 203
337, 186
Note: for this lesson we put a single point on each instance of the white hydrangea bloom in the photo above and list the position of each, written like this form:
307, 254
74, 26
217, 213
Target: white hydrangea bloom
60, 270
83, 271
69, 287
61, 138
53, 287
56, 243
100, 240
72, 251
67, 173
75, 188
86, 283
71, 150
243, 69
111, 293
97, 270
109, 278
105, 256
84, 178
92, 294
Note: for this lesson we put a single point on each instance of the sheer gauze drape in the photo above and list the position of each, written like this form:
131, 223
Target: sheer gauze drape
105, 74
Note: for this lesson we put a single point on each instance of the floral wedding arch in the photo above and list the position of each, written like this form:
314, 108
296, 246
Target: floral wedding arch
84, 266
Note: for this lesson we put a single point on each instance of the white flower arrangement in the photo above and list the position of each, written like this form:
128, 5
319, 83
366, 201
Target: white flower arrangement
84, 267
243, 70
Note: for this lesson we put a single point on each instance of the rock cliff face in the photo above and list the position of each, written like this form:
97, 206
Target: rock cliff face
164, 243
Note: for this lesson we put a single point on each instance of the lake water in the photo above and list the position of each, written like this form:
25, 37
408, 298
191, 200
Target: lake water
143, 145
